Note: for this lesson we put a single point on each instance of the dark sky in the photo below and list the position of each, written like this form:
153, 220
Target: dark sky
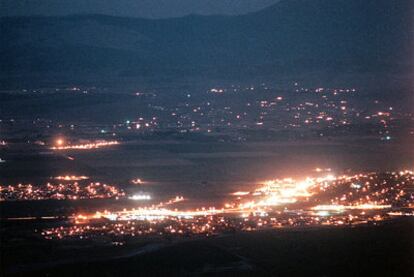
135, 8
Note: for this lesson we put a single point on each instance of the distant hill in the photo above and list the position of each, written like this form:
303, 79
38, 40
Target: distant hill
327, 39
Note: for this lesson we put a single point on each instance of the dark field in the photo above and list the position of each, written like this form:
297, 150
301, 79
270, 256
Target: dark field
386, 250
204, 173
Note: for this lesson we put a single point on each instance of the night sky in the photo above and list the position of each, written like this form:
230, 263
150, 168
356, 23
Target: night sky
134, 8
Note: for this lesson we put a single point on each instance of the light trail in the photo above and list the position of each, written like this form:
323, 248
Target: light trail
71, 178
85, 146
366, 206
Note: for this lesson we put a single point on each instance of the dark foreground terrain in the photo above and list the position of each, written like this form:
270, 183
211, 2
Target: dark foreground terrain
386, 250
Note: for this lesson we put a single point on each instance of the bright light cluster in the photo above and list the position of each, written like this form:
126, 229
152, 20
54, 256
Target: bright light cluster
71, 178
370, 198
86, 146
67, 191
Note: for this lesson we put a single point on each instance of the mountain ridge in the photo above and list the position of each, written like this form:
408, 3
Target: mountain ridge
292, 37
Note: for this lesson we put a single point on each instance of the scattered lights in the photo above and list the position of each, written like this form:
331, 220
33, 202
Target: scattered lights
67, 191
401, 213
356, 207
319, 201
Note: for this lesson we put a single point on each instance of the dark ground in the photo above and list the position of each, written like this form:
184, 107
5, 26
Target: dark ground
386, 250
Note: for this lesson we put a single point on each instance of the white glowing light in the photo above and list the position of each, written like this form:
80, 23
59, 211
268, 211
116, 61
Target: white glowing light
139, 197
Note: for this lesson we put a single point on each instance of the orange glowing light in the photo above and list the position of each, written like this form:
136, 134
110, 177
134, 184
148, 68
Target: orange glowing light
60, 142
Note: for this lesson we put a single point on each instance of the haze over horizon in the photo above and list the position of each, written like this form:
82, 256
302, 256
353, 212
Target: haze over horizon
131, 8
